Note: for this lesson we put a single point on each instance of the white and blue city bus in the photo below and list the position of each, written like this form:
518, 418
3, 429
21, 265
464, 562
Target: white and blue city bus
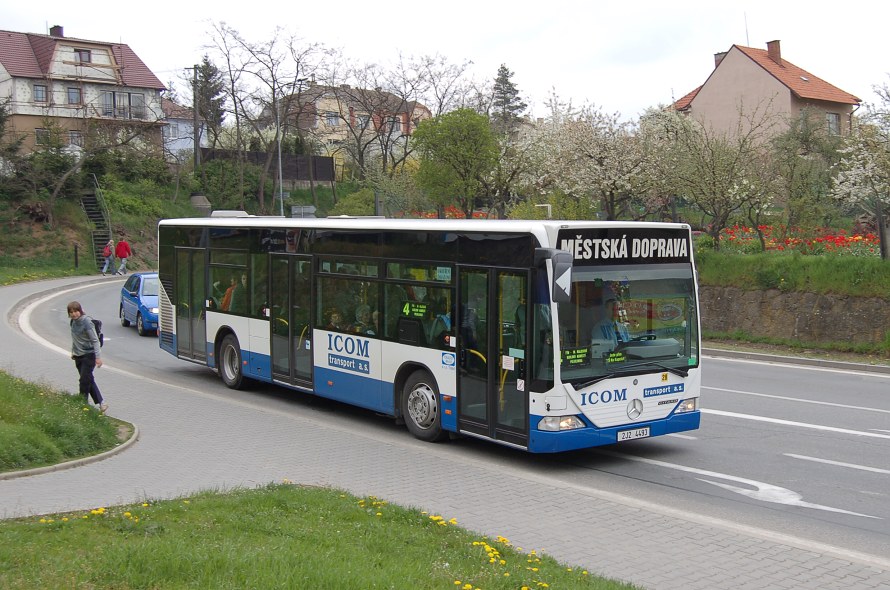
545, 336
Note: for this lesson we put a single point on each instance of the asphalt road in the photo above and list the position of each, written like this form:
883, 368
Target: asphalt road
785, 484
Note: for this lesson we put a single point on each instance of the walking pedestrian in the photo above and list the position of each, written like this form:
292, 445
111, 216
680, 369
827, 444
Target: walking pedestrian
86, 352
108, 253
123, 252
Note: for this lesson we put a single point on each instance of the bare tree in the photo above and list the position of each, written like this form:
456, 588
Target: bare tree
225, 41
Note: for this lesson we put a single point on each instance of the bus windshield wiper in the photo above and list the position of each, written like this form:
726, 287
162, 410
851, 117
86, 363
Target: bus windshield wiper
674, 370
593, 381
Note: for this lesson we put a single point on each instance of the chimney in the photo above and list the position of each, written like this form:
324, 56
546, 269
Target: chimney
56, 31
718, 57
774, 51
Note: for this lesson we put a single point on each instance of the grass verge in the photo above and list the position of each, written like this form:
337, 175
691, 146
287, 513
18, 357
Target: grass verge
278, 536
42, 426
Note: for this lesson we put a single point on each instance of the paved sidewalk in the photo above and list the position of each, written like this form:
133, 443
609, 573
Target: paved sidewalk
191, 440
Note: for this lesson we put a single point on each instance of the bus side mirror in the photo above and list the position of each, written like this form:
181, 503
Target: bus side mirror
561, 267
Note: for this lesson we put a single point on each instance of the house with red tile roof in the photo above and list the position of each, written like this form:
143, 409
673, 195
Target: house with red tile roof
748, 80
73, 84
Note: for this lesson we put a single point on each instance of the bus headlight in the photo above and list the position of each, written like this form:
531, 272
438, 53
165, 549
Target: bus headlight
557, 423
687, 405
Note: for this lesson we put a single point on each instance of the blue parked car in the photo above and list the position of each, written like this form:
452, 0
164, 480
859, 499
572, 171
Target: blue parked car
139, 302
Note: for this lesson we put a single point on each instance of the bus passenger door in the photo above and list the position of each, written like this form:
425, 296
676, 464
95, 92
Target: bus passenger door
492, 398
191, 339
290, 297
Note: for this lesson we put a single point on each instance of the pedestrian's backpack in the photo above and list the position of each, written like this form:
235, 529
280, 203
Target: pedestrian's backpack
98, 325
107, 251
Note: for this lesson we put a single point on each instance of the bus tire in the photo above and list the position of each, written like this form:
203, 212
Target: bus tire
231, 369
420, 407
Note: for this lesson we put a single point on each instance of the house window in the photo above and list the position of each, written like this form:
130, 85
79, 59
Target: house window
123, 105
42, 136
137, 106
395, 125
332, 119
108, 104
363, 121
39, 93
74, 96
834, 123
172, 131
75, 138
83, 56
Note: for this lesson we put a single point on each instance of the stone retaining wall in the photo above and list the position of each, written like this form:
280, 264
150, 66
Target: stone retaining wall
809, 317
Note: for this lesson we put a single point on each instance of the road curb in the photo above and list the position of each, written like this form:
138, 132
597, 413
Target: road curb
75, 462
795, 360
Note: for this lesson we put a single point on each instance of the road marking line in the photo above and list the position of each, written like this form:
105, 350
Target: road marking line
792, 423
797, 399
791, 365
838, 463
683, 436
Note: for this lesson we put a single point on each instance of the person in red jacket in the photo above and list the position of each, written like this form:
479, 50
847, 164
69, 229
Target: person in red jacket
122, 251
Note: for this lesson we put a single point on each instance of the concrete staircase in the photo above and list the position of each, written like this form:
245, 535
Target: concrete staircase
94, 206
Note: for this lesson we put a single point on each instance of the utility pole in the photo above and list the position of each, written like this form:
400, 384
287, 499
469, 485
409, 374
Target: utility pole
195, 132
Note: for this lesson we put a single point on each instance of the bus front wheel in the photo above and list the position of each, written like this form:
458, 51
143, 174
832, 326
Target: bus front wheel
420, 407
230, 367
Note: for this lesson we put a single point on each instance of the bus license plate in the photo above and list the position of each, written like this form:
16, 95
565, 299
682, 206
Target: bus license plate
633, 434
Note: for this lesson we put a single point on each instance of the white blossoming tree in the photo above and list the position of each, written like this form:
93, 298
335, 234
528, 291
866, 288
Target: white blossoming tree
863, 175
593, 159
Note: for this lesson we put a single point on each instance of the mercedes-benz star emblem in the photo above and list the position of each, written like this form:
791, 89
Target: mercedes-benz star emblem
634, 409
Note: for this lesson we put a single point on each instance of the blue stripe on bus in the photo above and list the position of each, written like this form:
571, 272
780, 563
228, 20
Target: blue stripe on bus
540, 441
354, 389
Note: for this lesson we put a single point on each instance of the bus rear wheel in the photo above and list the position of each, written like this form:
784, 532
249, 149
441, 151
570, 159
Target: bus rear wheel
420, 407
231, 369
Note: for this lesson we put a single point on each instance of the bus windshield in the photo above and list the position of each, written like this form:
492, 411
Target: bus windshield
628, 319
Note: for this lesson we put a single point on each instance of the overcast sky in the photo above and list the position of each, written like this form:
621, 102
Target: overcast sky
621, 56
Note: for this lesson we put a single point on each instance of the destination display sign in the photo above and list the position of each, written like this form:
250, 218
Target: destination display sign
571, 357
606, 246
415, 309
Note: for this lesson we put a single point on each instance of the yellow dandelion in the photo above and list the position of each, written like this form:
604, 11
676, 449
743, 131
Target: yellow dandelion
457, 582
127, 514
145, 504
64, 519
453, 521
379, 514
506, 574
42, 521
584, 573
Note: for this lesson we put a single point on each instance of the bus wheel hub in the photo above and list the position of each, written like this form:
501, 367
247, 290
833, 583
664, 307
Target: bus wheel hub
422, 406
